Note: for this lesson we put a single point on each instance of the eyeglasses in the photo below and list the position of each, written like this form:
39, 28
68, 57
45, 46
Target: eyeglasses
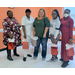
53, 14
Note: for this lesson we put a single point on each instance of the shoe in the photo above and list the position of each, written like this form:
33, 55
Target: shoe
65, 64
29, 55
43, 59
34, 58
61, 60
24, 58
53, 59
17, 55
9, 58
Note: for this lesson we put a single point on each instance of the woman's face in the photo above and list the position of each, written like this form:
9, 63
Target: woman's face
28, 14
66, 12
41, 13
54, 15
10, 14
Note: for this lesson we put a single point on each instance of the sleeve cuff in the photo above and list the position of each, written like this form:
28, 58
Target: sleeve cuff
71, 38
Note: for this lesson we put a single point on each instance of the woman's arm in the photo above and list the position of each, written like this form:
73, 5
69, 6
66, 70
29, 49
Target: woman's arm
33, 31
7, 29
71, 31
47, 23
23, 27
46, 29
57, 29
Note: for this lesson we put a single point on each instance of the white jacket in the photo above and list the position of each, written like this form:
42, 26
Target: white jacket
54, 27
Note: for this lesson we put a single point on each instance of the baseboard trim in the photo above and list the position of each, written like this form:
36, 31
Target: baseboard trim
3, 49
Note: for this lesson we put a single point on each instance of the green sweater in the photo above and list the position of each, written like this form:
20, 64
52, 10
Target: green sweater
40, 26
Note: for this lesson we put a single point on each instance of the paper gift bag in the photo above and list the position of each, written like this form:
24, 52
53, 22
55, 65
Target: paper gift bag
34, 41
25, 44
54, 50
11, 46
70, 52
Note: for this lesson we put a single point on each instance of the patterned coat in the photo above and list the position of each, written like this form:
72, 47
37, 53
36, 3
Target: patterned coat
11, 26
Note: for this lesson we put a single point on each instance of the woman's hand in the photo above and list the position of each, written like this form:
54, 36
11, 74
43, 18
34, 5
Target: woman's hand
25, 36
54, 41
70, 41
44, 36
10, 35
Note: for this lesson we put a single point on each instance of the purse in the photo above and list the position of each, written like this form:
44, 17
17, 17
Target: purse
54, 50
69, 50
11, 46
34, 41
25, 44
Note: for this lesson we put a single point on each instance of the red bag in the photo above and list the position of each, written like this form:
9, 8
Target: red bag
11, 46
25, 45
54, 51
70, 52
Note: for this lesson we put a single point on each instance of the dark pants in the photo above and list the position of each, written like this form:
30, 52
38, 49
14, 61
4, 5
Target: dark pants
42, 41
9, 52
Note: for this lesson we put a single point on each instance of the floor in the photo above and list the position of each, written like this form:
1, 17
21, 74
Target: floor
31, 63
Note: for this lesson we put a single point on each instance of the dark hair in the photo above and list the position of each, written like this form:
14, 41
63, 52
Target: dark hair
57, 13
8, 11
43, 11
27, 10
68, 10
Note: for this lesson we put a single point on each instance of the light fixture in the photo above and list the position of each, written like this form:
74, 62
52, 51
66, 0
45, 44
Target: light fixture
11, 7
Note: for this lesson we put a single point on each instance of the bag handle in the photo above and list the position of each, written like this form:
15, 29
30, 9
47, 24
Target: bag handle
24, 40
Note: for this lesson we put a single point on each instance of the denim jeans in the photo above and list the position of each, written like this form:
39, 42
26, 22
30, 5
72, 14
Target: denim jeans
42, 41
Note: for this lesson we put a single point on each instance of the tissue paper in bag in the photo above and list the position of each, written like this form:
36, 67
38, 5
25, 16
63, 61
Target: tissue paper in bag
69, 50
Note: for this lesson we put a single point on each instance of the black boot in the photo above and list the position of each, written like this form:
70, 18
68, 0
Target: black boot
15, 53
29, 55
24, 58
65, 64
61, 60
9, 55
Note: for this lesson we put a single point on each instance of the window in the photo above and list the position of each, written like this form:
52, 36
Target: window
72, 14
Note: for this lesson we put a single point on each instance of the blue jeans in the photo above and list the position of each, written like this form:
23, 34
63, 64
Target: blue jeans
42, 41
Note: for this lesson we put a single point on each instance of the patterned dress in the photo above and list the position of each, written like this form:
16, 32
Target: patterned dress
11, 26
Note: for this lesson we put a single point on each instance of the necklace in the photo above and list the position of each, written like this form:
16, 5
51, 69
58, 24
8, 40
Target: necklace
38, 21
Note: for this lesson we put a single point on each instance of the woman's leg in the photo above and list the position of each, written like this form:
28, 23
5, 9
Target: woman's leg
15, 52
36, 49
26, 51
9, 54
44, 47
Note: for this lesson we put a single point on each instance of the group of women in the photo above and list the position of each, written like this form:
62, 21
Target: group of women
39, 27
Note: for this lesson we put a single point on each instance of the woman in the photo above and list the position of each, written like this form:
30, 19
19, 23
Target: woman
41, 30
11, 30
67, 36
54, 30
27, 25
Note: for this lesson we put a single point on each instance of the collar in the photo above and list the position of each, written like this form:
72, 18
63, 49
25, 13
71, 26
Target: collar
66, 18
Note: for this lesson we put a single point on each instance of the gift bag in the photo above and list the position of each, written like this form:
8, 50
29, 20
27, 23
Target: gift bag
25, 44
34, 41
70, 52
54, 50
69, 49
11, 46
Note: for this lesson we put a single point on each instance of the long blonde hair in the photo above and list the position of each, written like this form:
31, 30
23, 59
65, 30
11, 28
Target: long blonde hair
43, 11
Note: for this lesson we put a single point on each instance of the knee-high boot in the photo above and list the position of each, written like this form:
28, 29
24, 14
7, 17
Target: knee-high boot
15, 52
9, 55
